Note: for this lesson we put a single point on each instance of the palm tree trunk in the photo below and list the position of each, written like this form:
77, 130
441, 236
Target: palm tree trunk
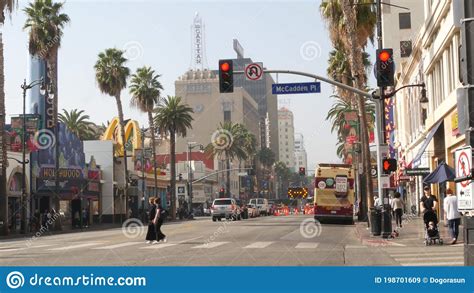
227, 187
3, 148
357, 68
173, 172
52, 65
122, 133
153, 151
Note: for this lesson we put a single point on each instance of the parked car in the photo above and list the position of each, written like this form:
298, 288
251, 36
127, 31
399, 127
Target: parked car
225, 208
252, 211
262, 205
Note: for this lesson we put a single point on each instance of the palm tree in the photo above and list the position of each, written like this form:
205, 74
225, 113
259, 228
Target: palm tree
267, 157
7, 7
111, 75
174, 118
145, 90
78, 123
45, 23
228, 144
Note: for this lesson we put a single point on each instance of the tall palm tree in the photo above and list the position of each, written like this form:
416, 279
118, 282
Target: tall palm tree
227, 146
6, 7
353, 25
111, 75
145, 90
78, 123
173, 117
45, 22
267, 157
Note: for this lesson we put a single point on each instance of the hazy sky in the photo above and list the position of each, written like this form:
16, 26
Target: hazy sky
281, 34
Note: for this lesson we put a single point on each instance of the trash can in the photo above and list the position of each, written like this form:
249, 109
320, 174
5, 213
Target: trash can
468, 227
376, 221
387, 223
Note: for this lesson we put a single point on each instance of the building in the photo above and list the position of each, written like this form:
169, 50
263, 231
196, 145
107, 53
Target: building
428, 134
200, 90
286, 137
301, 158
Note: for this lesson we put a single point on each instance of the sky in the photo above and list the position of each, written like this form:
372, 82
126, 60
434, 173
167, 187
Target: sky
281, 34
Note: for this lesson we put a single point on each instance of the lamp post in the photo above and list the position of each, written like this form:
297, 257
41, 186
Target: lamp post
143, 172
25, 87
191, 146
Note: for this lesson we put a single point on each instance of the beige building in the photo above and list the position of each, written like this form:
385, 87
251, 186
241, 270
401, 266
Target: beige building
286, 137
301, 158
428, 134
200, 90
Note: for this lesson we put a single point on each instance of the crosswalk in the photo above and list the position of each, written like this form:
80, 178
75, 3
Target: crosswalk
428, 256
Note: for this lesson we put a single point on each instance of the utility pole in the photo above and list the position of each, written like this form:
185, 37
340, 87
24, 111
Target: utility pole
467, 79
380, 106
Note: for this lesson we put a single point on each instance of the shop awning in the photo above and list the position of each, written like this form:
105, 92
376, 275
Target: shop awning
441, 174
417, 160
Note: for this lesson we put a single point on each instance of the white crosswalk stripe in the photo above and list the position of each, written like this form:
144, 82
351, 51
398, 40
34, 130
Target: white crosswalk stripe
307, 245
125, 244
431, 256
75, 246
260, 244
210, 245
159, 245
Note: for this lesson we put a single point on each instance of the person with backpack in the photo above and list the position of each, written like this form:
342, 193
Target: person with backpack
158, 221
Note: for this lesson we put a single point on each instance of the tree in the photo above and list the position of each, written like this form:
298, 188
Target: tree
7, 7
267, 157
45, 23
78, 123
173, 117
145, 90
111, 75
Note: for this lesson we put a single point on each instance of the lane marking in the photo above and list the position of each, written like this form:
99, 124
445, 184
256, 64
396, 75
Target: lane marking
453, 258
356, 246
75, 246
159, 245
125, 244
210, 245
305, 245
417, 254
260, 244
430, 264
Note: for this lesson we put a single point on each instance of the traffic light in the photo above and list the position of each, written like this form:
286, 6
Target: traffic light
180, 176
222, 192
297, 192
385, 68
389, 165
226, 76
302, 171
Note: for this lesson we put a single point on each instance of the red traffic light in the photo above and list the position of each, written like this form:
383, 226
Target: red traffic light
225, 66
384, 56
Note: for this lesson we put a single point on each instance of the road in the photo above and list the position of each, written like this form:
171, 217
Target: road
264, 241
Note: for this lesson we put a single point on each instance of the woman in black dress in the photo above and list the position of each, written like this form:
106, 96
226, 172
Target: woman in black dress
151, 233
159, 221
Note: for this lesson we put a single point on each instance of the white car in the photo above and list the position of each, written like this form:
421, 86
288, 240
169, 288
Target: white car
252, 211
225, 208
262, 205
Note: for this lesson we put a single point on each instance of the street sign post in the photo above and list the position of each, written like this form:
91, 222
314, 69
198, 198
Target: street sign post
464, 189
296, 88
254, 71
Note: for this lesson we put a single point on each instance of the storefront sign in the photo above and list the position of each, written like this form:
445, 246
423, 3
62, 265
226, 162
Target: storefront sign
454, 124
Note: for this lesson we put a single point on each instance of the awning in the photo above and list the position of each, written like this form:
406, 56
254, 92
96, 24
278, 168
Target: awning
441, 174
416, 161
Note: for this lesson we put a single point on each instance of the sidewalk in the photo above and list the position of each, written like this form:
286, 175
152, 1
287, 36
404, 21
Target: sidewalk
411, 234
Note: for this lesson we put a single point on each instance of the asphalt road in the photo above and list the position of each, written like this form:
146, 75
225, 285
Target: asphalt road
264, 241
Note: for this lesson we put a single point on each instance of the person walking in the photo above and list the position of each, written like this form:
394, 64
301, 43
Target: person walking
158, 221
397, 207
151, 233
452, 214
428, 202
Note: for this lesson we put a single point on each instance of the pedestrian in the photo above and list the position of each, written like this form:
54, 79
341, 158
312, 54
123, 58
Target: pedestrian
428, 202
158, 221
151, 233
452, 214
377, 202
397, 207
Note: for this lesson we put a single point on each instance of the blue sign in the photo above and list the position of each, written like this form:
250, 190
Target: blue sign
296, 88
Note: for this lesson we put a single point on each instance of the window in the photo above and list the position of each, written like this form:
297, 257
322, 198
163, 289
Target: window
405, 49
227, 116
405, 20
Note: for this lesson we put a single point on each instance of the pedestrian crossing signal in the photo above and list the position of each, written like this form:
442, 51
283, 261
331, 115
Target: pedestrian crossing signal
389, 165
297, 192
302, 171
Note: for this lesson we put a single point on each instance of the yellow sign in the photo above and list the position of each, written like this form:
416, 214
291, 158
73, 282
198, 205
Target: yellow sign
454, 123
132, 136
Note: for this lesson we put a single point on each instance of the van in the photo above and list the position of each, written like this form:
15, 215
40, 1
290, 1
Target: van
262, 205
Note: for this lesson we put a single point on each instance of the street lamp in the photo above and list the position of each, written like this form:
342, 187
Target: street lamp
191, 146
25, 87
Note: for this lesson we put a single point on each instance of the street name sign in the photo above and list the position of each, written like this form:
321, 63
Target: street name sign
464, 189
417, 172
296, 88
